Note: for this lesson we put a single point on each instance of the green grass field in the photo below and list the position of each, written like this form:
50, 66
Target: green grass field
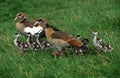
72, 16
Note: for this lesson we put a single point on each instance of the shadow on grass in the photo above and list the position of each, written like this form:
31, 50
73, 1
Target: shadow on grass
5, 73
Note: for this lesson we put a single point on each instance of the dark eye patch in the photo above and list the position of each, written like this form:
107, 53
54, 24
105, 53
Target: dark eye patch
36, 24
39, 20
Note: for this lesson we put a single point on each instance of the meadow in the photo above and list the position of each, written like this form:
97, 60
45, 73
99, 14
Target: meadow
72, 16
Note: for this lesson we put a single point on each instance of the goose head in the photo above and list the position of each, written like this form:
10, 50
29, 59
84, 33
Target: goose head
99, 40
16, 35
43, 22
78, 37
95, 32
85, 41
28, 34
20, 17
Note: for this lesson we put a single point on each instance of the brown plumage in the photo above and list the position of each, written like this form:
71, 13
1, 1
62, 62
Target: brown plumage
22, 22
59, 35
59, 39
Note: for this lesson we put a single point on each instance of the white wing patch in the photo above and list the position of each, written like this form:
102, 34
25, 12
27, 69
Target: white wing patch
33, 30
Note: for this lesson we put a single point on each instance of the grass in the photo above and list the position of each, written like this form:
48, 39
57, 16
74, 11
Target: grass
73, 16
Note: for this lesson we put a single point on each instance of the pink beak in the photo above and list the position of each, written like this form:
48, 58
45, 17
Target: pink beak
16, 18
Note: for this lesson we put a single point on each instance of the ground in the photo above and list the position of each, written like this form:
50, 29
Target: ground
72, 16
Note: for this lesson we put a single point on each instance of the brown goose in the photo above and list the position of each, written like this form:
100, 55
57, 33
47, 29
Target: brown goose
42, 20
60, 40
27, 26
22, 22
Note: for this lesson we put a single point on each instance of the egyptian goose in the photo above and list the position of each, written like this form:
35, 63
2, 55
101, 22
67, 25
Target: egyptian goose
85, 47
96, 40
21, 45
81, 50
36, 46
105, 47
46, 45
78, 37
43, 32
26, 26
58, 39
32, 44
99, 45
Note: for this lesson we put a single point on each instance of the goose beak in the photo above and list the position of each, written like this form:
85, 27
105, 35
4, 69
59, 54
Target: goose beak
15, 18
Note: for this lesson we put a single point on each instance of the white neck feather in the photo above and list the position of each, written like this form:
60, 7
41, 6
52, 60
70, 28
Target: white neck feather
37, 39
28, 40
95, 39
15, 41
